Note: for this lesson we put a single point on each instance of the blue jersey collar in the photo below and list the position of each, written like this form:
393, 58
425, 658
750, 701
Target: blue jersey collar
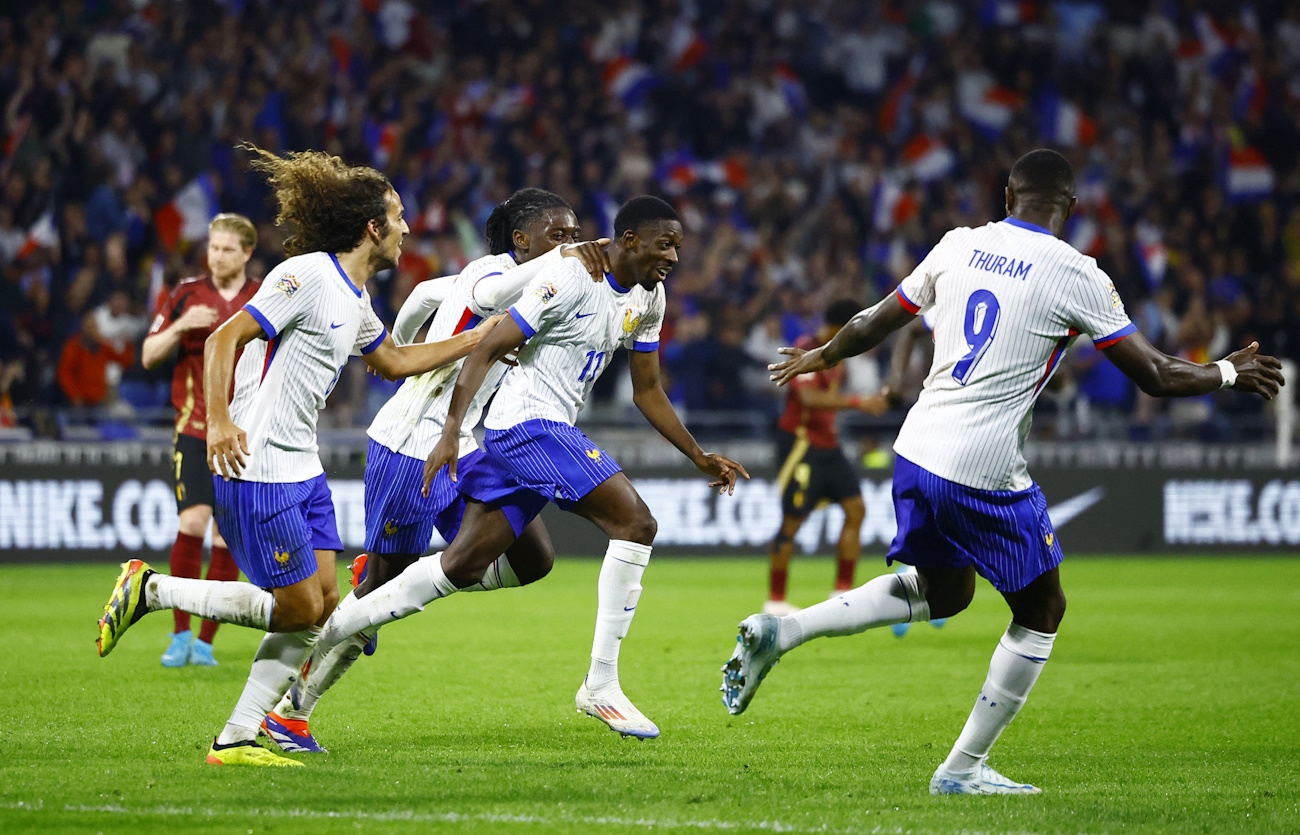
1032, 227
618, 288
346, 280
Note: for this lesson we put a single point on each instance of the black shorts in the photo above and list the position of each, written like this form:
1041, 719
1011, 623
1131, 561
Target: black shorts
190, 473
811, 476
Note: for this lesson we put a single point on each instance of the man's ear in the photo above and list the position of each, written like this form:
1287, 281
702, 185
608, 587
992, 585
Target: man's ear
1011, 200
629, 239
372, 230
521, 240
1074, 205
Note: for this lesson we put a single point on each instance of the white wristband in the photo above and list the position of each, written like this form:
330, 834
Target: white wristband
1229, 372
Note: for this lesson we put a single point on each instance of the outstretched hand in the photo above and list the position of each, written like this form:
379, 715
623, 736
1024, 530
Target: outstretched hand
593, 256
801, 362
1256, 373
724, 471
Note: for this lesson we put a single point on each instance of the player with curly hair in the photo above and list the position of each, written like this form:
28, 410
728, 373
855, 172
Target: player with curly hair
272, 502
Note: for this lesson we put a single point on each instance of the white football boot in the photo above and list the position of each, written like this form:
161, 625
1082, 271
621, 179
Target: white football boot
983, 780
609, 705
757, 650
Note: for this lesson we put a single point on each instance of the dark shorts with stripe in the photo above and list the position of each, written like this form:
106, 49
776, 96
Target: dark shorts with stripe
533, 463
190, 474
273, 529
810, 476
1005, 535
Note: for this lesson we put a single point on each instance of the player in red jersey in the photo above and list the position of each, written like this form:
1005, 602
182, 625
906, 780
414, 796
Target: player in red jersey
815, 469
196, 308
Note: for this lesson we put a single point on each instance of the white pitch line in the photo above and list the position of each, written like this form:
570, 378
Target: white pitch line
411, 816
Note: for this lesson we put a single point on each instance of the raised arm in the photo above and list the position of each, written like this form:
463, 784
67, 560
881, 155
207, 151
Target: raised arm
1161, 375
863, 332
425, 299
649, 396
160, 344
395, 362
227, 443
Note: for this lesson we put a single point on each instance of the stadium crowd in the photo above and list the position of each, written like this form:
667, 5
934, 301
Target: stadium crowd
815, 150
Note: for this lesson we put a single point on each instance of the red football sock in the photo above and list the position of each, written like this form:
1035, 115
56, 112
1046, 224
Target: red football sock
186, 561
222, 567
776, 584
844, 574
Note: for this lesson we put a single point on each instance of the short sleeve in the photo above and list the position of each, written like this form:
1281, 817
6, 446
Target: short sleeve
548, 298
645, 337
283, 300
1094, 308
917, 290
167, 312
372, 331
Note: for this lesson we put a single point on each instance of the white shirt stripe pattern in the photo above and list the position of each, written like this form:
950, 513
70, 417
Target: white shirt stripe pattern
314, 319
574, 324
410, 423
1006, 300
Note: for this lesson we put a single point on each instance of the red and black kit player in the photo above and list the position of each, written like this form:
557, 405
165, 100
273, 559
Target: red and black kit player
814, 469
196, 308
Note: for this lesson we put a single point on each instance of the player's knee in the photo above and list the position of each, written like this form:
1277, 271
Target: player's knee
536, 569
642, 528
1055, 610
329, 600
854, 514
297, 614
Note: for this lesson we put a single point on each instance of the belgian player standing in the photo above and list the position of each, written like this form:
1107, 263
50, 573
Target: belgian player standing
196, 308
814, 468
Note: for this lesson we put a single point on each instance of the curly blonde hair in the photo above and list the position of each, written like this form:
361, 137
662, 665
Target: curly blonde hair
325, 203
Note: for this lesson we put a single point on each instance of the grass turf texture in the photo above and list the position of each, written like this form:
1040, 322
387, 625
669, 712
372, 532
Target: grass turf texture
1170, 704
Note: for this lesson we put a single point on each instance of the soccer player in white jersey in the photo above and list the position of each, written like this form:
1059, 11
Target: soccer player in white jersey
272, 502
565, 328
1008, 298
400, 521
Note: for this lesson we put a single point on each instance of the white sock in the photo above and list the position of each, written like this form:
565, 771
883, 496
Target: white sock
225, 602
1016, 663
499, 576
421, 583
617, 593
885, 600
276, 666
323, 670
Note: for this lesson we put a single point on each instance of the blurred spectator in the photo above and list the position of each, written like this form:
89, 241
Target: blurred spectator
814, 150
84, 367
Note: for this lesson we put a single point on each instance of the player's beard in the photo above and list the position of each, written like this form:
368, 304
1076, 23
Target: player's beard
381, 260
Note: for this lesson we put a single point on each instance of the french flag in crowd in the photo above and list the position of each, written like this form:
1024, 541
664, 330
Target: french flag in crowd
894, 205
1152, 253
42, 235
1007, 12
629, 80
686, 48
1247, 176
928, 159
895, 113
381, 137
187, 215
984, 104
685, 173
1064, 123
1084, 234
792, 87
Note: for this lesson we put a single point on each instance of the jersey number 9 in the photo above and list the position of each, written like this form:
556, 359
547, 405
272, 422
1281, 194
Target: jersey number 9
982, 312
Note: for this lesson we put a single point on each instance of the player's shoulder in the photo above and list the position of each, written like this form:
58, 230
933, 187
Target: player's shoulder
488, 265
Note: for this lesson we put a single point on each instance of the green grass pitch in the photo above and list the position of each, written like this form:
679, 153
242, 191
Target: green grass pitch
1170, 704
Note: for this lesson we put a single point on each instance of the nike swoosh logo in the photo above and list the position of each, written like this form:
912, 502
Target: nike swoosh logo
1065, 511
339, 325
629, 608
584, 315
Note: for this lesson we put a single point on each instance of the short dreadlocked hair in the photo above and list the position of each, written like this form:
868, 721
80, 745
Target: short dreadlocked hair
325, 203
517, 211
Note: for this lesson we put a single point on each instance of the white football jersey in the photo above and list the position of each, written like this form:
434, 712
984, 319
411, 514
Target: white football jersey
314, 319
1006, 301
410, 423
574, 324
